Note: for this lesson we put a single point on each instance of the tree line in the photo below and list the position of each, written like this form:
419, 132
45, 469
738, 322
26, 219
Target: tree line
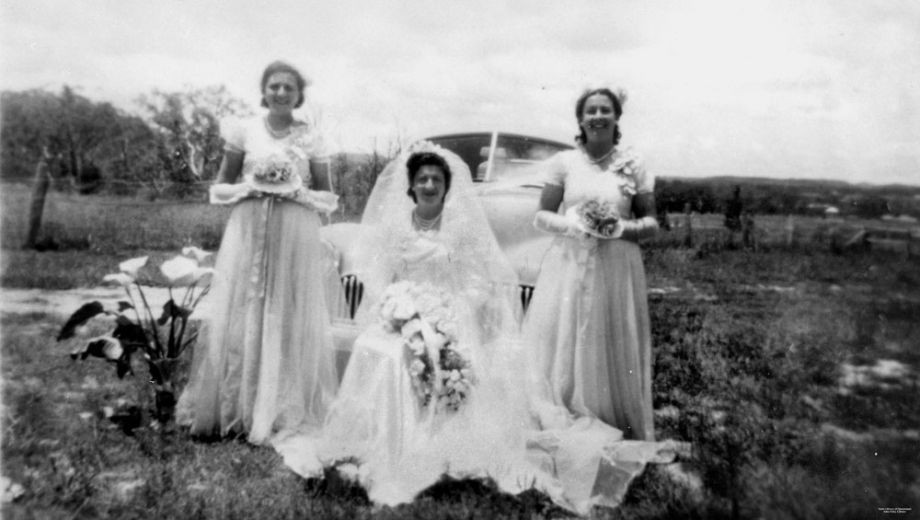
170, 146
784, 197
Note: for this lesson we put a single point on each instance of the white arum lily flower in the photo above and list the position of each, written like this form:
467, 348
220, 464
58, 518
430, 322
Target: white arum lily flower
200, 255
132, 266
96, 326
180, 270
112, 350
202, 272
122, 279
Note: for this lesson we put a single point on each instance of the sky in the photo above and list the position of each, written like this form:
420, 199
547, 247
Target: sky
781, 88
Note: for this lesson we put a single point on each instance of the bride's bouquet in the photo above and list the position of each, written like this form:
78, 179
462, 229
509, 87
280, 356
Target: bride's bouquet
598, 217
441, 371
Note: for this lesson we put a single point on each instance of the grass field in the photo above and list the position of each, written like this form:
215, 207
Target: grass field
792, 371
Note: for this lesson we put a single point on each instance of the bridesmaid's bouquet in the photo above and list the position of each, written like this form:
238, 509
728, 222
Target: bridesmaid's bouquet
441, 372
275, 175
599, 218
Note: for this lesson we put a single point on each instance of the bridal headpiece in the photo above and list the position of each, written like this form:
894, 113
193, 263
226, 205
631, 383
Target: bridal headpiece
425, 147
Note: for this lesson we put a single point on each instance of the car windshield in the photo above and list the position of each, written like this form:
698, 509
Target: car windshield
513, 154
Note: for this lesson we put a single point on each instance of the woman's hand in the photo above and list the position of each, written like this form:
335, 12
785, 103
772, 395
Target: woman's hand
228, 194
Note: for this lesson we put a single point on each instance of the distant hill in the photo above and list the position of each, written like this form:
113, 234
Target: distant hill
810, 183
764, 195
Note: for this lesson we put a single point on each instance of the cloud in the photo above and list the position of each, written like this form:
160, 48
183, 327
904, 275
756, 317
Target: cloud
778, 87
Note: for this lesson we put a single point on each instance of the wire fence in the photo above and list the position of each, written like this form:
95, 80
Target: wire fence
108, 223
838, 235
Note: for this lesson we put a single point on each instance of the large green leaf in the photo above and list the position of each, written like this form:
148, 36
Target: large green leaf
81, 316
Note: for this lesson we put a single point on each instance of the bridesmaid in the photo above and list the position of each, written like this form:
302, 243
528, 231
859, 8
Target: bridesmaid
589, 317
267, 362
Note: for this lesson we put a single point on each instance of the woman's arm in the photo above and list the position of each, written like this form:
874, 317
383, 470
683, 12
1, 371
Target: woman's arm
231, 167
321, 175
551, 197
547, 217
644, 224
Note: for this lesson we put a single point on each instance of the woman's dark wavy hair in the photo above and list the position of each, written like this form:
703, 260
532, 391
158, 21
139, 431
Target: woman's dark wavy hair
580, 107
415, 163
280, 66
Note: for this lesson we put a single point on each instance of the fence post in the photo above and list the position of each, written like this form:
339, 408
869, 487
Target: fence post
688, 234
834, 239
748, 238
39, 191
790, 230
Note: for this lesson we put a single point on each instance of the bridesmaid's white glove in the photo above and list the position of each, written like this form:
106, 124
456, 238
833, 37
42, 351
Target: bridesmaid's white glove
321, 201
228, 194
638, 229
560, 224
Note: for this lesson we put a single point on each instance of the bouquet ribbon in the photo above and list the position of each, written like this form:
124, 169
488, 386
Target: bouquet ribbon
229, 194
433, 348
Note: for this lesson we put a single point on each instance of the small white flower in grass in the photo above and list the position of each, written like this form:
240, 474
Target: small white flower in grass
182, 271
122, 279
9, 490
200, 255
132, 266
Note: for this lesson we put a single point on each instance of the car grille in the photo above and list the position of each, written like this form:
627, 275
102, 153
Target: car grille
353, 292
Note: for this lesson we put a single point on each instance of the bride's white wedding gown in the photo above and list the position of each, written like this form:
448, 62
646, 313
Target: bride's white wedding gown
507, 430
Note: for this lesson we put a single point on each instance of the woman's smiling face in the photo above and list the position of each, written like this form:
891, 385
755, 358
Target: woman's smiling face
281, 93
429, 185
598, 118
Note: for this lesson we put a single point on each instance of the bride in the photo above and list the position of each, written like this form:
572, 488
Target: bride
437, 383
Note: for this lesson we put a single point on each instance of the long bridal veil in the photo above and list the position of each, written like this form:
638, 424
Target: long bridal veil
508, 430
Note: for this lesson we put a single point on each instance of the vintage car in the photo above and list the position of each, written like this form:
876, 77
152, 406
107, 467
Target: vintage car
508, 181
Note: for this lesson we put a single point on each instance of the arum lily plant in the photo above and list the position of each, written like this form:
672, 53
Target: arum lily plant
117, 334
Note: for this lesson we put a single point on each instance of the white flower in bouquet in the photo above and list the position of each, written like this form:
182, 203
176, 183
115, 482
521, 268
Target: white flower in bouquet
435, 340
599, 217
426, 303
439, 317
275, 170
386, 310
411, 328
404, 309
416, 345
416, 367
448, 327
